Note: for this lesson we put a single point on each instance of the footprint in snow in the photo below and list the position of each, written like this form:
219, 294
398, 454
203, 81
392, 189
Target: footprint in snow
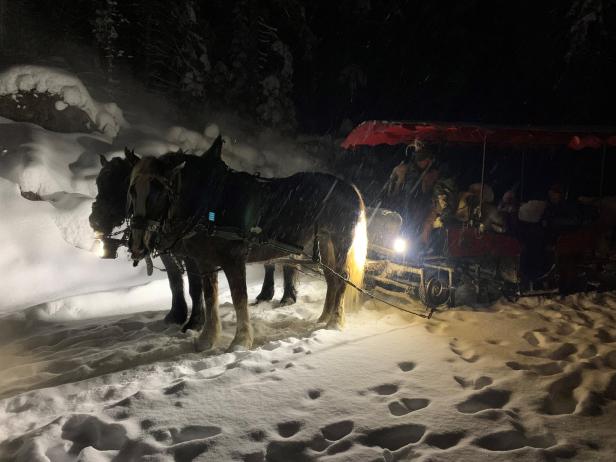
467, 355
605, 337
194, 432
337, 430
177, 388
477, 384
539, 369
511, 440
588, 352
407, 366
531, 338
288, 429
385, 389
85, 430
565, 329
444, 440
610, 359
487, 399
407, 405
394, 438
563, 352
560, 399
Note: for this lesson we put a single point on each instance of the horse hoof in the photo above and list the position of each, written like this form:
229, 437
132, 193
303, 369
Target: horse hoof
174, 319
192, 326
240, 344
323, 319
236, 348
203, 346
287, 301
264, 298
207, 340
334, 324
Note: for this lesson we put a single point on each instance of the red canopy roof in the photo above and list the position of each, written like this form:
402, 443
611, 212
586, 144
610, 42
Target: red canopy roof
374, 132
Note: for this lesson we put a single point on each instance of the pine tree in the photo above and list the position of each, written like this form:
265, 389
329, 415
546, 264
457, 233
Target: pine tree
105, 26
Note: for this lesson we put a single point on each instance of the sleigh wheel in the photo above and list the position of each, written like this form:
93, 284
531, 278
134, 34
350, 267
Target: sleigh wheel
435, 293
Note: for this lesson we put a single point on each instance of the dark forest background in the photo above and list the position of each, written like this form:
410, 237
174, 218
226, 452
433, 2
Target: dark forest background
322, 66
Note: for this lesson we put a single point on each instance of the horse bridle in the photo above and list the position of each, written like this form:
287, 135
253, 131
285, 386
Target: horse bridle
143, 223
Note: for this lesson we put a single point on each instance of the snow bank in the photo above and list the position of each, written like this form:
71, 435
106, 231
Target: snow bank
40, 261
266, 153
107, 117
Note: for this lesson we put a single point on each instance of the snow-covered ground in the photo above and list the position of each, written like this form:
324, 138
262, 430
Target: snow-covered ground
89, 372
528, 381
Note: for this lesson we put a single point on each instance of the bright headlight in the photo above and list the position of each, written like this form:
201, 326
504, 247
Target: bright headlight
400, 245
99, 248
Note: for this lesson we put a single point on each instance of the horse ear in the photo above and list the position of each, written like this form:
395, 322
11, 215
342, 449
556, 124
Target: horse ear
175, 170
215, 151
131, 156
103, 160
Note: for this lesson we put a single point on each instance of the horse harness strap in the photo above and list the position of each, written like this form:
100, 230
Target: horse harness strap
205, 222
154, 226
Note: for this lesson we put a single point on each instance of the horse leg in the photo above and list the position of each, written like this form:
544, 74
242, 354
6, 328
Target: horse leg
267, 290
327, 257
179, 310
195, 288
289, 296
211, 332
336, 319
236, 276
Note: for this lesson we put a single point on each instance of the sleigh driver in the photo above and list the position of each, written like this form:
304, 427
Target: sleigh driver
424, 194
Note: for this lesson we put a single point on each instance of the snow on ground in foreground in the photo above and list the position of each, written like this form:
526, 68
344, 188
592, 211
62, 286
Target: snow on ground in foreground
532, 381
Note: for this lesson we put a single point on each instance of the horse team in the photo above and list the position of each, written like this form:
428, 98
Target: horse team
195, 211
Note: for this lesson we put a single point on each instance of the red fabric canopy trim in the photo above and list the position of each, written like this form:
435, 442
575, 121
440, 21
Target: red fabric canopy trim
372, 133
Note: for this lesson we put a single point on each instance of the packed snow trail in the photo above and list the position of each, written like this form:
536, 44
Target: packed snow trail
528, 381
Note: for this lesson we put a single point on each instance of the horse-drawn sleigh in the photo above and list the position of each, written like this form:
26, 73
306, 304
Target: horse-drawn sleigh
479, 250
195, 210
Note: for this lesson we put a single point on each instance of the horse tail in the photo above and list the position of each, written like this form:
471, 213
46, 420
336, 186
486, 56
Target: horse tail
356, 258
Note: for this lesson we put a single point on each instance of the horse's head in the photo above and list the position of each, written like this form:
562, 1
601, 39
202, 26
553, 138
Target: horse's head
154, 185
109, 208
154, 189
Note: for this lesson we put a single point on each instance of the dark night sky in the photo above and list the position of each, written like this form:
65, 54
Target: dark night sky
516, 62
501, 62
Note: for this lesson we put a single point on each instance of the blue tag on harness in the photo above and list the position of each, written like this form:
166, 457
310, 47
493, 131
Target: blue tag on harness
211, 216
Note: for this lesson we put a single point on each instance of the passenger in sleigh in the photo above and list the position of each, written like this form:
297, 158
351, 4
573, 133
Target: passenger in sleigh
541, 222
560, 215
423, 192
486, 216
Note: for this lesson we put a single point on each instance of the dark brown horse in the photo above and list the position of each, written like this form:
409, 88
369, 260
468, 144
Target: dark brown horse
197, 206
109, 211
